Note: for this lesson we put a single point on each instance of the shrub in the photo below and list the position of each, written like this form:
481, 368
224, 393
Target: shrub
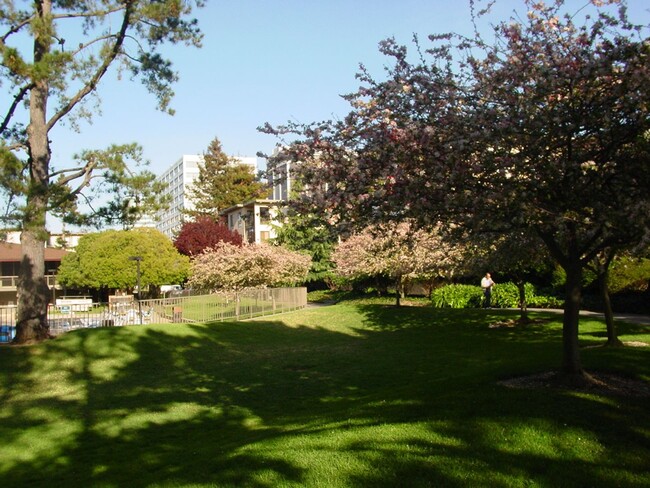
506, 295
457, 296
543, 301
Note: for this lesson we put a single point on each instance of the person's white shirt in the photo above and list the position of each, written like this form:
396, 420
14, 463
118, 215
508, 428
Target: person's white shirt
486, 282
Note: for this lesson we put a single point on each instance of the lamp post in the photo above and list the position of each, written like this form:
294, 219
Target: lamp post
137, 260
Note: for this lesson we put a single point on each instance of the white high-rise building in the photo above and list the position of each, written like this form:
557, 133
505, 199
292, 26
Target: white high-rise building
179, 179
279, 176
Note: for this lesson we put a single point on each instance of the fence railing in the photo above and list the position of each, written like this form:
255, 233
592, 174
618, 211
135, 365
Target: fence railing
216, 307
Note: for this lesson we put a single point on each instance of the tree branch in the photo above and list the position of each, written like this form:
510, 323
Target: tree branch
85, 172
17, 99
101, 71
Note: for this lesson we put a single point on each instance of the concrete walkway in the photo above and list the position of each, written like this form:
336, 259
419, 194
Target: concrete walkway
624, 317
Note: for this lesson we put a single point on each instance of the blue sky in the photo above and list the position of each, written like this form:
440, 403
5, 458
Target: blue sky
266, 61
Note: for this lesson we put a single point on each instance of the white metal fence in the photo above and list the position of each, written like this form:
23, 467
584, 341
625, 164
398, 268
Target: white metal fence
215, 307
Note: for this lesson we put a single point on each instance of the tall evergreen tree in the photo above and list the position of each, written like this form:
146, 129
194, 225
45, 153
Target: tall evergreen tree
308, 232
222, 182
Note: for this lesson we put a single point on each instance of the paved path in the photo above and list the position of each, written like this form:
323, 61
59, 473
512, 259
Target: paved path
625, 317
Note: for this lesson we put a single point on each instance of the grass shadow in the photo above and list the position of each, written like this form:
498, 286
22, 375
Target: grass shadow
342, 396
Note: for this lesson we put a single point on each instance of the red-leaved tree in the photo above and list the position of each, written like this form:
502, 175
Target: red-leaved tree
204, 233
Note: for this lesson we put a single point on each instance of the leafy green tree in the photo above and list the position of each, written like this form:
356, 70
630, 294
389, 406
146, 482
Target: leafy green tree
629, 272
120, 174
222, 182
308, 232
53, 58
103, 260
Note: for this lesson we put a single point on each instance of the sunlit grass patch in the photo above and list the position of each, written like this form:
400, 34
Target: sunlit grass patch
356, 394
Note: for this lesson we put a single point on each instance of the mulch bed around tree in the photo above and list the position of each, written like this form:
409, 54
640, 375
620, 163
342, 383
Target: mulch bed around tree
595, 382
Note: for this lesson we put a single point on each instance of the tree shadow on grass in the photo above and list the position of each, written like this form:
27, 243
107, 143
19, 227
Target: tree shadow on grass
402, 401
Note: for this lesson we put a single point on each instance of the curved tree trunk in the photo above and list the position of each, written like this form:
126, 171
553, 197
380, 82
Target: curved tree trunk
612, 333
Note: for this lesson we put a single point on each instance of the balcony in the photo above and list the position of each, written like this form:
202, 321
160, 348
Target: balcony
9, 283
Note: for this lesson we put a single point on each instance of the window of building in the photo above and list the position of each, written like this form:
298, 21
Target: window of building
265, 215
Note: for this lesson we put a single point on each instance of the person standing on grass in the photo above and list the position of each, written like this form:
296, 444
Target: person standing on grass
487, 284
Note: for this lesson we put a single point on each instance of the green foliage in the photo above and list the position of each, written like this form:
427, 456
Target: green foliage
629, 274
457, 296
102, 260
546, 301
307, 232
504, 295
133, 190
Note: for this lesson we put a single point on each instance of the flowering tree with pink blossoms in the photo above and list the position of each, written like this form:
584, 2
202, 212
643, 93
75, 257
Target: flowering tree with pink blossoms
544, 128
399, 252
230, 267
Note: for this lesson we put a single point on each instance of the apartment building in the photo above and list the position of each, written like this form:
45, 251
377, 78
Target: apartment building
279, 177
255, 221
179, 179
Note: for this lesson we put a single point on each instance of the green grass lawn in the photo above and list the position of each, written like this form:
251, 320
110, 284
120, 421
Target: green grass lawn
348, 395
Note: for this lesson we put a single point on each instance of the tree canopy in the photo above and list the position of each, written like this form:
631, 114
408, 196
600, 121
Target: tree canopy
204, 233
543, 128
230, 267
400, 253
53, 56
103, 260
308, 232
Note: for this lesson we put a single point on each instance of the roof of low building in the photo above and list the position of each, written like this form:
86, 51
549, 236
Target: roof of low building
251, 203
13, 253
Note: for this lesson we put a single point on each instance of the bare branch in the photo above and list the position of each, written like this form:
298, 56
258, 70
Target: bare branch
17, 99
85, 172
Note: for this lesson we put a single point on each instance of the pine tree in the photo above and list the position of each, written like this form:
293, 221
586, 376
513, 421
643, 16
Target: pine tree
222, 182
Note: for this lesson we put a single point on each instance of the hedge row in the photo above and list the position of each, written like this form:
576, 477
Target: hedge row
504, 295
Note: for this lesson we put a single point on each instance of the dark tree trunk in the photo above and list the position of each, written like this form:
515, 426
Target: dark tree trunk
33, 292
571, 365
523, 306
603, 283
